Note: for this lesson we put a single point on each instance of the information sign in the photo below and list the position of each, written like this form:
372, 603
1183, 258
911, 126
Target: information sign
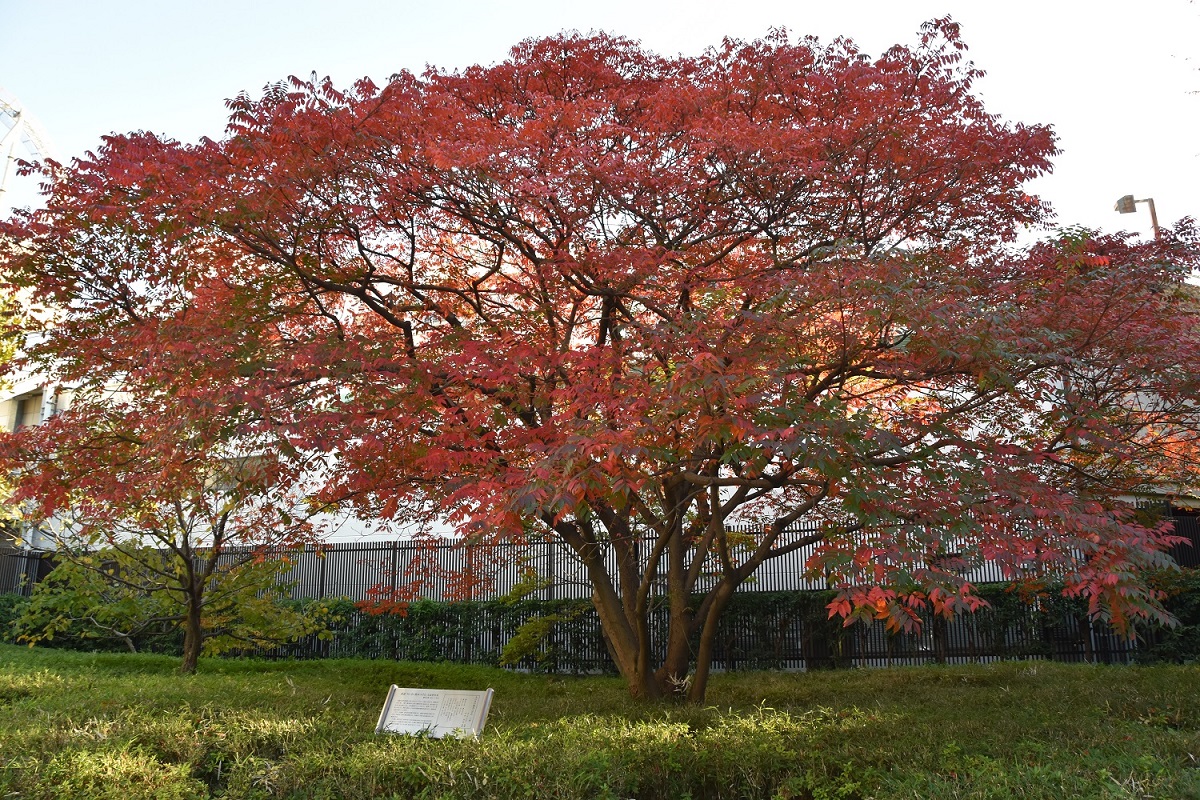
434, 712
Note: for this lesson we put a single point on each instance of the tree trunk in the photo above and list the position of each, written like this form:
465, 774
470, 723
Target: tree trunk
628, 650
650, 681
673, 674
193, 636
708, 638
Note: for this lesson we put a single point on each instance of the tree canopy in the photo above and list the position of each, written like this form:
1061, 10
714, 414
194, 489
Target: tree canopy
625, 300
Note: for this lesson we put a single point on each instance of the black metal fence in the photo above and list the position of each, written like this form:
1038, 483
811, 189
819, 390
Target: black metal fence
443, 571
20, 568
439, 570
782, 633
1187, 554
763, 630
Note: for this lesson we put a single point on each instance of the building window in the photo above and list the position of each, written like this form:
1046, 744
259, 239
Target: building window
29, 411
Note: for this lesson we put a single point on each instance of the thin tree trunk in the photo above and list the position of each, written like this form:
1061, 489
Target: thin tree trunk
708, 639
675, 667
193, 636
627, 648
625, 626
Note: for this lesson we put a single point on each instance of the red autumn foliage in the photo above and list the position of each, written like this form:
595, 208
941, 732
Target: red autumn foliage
625, 300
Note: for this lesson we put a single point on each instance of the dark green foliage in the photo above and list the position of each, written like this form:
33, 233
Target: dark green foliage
131, 598
1180, 644
11, 607
469, 632
761, 630
774, 630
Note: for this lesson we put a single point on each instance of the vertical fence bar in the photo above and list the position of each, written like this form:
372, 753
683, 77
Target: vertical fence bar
395, 566
31, 573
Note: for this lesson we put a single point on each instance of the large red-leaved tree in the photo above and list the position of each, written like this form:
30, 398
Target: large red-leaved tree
625, 300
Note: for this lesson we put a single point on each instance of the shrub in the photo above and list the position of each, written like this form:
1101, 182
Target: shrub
1179, 644
11, 607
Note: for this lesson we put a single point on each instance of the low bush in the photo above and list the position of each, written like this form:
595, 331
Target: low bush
12, 606
468, 632
1181, 643
760, 630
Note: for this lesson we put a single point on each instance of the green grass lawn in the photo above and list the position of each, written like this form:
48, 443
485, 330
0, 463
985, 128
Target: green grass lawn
122, 726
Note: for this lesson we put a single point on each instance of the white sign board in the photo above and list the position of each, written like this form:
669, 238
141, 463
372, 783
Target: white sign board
434, 712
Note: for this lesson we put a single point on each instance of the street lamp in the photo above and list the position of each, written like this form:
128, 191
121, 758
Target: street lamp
1127, 205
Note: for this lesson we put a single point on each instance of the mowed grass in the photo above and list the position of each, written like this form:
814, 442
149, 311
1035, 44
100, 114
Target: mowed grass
122, 726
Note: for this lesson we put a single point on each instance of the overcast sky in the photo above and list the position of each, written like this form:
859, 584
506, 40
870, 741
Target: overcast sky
1118, 82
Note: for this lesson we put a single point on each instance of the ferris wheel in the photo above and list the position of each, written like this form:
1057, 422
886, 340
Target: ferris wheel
20, 137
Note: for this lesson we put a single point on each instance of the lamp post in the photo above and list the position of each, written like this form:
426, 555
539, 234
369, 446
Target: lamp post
1127, 205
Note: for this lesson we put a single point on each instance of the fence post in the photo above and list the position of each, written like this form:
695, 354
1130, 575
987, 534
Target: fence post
32, 559
395, 565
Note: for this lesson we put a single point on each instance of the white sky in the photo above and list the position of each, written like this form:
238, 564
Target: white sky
1118, 82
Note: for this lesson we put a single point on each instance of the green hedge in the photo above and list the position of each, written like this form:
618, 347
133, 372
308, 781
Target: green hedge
1181, 644
760, 630
469, 632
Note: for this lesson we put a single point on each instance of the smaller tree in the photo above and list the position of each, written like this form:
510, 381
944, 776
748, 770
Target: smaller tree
126, 596
164, 518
